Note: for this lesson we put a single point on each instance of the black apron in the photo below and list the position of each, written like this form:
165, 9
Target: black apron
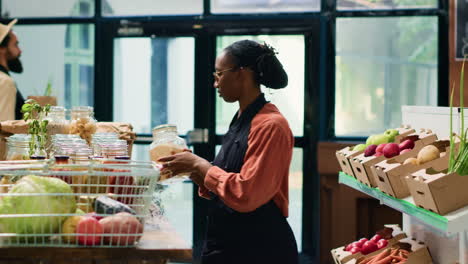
19, 98
261, 236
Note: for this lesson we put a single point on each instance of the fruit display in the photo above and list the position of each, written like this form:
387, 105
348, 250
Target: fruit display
391, 173
363, 164
345, 155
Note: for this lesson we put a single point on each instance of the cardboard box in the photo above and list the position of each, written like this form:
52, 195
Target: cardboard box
419, 253
341, 256
44, 100
362, 166
344, 156
390, 174
435, 190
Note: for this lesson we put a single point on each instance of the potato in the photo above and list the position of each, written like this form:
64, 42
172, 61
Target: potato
428, 153
121, 223
413, 161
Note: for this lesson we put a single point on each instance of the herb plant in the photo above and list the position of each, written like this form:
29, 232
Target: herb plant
33, 114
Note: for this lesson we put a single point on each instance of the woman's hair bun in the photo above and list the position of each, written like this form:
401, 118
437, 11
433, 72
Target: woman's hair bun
262, 60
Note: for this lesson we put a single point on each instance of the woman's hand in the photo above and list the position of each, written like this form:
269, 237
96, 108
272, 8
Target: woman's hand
186, 162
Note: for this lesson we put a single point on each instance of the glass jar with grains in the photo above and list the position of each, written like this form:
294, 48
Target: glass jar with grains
166, 142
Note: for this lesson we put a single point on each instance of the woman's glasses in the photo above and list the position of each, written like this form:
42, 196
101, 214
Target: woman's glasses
218, 74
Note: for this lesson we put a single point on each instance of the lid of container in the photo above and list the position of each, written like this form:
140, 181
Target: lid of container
82, 108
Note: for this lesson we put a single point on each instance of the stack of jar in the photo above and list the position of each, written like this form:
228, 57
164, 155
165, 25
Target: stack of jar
72, 146
109, 146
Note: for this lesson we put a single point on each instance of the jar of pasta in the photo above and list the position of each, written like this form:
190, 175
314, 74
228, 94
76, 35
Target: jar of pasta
83, 122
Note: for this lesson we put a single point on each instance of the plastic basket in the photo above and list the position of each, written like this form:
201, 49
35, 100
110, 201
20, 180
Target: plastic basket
39, 202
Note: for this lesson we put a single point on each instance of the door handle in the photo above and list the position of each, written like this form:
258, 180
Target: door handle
197, 136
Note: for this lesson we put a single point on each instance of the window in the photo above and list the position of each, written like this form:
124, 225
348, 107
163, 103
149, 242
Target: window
382, 68
291, 54
45, 56
47, 8
386, 4
264, 6
154, 82
152, 7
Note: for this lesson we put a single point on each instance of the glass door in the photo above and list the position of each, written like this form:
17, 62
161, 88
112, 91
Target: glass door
153, 84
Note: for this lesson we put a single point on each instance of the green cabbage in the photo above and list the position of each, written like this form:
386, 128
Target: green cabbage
45, 198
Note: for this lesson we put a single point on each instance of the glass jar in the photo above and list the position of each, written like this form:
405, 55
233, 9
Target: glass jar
81, 155
18, 147
110, 150
58, 123
83, 122
166, 142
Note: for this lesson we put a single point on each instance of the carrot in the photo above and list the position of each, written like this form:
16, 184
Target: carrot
367, 260
385, 260
398, 258
381, 255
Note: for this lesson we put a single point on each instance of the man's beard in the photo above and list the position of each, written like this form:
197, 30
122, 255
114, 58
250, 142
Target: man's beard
15, 65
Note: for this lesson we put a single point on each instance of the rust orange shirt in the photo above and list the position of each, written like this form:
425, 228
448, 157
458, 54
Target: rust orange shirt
264, 174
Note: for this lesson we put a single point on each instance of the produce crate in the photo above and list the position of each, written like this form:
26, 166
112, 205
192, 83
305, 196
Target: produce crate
438, 191
344, 155
341, 256
419, 253
362, 166
103, 204
391, 173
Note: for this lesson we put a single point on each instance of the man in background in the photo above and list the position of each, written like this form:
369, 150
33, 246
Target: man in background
11, 99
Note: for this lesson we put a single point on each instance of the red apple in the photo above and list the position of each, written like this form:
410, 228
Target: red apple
380, 148
369, 247
382, 243
391, 150
370, 150
404, 151
89, 231
378, 154
94, 215
407, 144
376, 238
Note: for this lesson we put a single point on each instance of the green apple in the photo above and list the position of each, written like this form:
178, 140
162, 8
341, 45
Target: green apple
370, 139
378, 139
392, 133
360, 147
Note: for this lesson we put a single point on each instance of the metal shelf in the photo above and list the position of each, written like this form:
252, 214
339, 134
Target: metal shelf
453, 222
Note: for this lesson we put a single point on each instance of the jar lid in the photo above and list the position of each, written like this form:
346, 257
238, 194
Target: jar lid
82, 109
57, 109
165, 127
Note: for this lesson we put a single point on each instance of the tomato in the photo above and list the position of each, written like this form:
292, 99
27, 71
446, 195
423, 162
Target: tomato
369, 247
376, 238
354, 250
357, 244
382, 243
